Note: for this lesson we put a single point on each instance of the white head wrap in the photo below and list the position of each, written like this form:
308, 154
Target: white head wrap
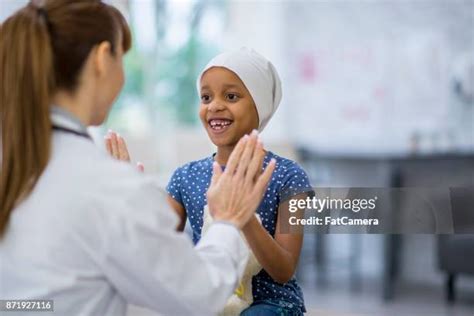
258, 75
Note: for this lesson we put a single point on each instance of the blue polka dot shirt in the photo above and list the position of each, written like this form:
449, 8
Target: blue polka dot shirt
188, 186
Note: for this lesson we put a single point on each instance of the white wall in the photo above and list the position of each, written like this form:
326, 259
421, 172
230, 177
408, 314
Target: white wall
8, 7
259, 25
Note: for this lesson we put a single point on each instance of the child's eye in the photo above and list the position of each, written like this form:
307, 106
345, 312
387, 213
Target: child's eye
205, 98
232, 97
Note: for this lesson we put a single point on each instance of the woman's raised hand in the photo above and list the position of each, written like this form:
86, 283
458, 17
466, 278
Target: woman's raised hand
117, 148
235, 193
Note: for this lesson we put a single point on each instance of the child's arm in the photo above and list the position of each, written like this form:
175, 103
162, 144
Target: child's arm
180, 210
279, 257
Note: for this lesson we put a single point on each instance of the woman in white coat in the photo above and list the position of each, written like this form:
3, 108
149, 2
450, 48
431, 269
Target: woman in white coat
77, 227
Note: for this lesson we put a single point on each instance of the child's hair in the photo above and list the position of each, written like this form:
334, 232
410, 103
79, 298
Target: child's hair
42, 49
258, 75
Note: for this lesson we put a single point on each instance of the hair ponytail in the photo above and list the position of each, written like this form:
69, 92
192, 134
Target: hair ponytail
42, 50
26, 83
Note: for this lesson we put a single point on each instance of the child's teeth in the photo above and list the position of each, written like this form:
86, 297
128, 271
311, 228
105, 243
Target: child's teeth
219, 124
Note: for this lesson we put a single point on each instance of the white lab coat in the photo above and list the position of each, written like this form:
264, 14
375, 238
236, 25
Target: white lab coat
95, 235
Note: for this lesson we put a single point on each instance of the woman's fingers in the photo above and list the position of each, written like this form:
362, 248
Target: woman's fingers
264, 178
216, 173
236, 201
262, 154
255, 165
247, 154
235, 156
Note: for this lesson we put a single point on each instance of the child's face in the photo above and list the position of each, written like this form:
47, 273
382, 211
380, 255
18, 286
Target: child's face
227, 109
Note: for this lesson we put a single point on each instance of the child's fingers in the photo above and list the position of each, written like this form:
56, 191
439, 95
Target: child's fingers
108, 145
235, 155
140, 167
122, 149
114, 145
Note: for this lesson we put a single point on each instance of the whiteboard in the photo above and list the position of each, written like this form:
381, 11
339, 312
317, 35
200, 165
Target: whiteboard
366, 77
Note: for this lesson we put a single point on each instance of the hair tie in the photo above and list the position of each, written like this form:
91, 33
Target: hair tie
42, 12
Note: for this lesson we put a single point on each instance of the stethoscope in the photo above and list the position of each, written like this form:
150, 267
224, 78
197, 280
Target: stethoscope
71, 131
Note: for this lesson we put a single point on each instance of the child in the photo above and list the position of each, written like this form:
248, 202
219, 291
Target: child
240, 91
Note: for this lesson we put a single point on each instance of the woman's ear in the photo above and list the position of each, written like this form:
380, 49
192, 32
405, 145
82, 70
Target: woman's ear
103, 53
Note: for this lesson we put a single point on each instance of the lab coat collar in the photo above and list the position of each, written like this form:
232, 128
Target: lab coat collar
66, 120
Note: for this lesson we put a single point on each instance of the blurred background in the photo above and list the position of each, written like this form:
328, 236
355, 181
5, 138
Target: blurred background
375, 94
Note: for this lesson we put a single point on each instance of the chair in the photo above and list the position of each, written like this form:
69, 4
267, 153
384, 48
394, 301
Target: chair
456, 252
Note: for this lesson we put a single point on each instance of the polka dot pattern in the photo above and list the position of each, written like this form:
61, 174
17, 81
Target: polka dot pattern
188, 186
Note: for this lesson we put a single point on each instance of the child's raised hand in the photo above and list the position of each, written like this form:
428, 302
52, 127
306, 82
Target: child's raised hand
234, 194
117, 148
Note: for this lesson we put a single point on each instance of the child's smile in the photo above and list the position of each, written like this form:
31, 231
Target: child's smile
219, 124
227, 109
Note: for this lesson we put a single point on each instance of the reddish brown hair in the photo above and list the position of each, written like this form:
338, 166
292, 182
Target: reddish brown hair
43, 49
